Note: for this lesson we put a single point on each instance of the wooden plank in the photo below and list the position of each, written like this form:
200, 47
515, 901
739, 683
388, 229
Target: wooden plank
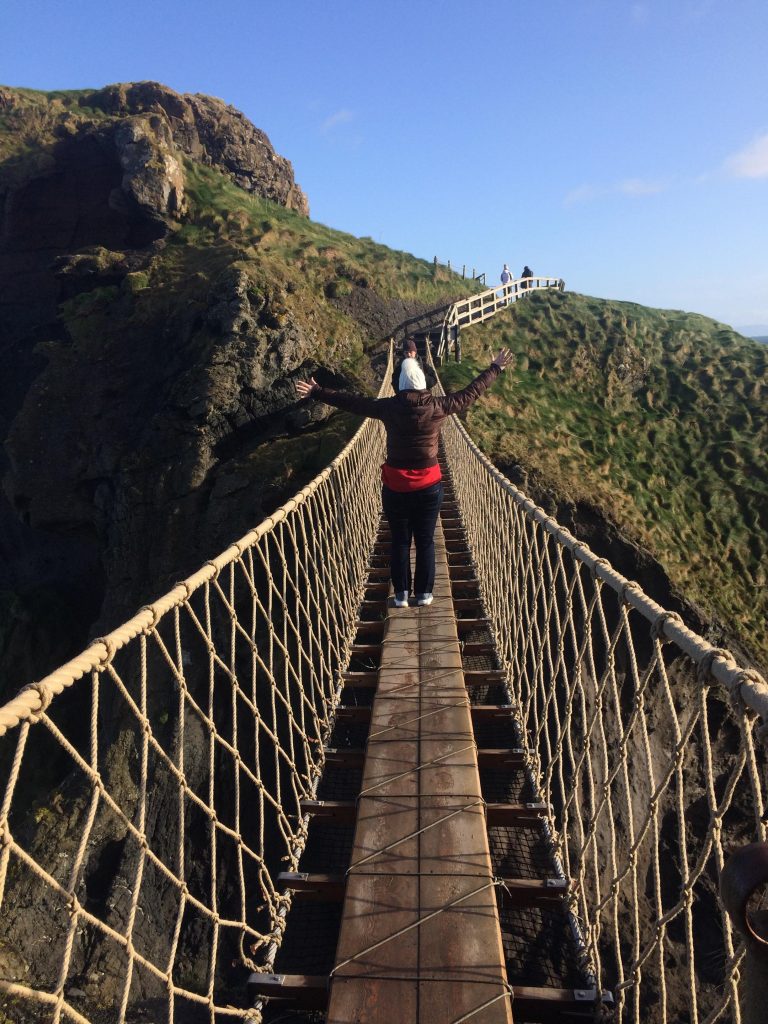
420, 939
361, 678
304, 885
470, 625
377, 587
483, 677
370, 628
508, 757
345, 757
491, 712
309, 991
474, 650
365, 651
353, 713
523, 815
342, 811
527, 892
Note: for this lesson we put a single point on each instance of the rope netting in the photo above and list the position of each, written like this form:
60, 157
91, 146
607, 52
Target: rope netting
153, 783
644, 740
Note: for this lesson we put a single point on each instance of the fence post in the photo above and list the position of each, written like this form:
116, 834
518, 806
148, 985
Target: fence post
449, 264
463, 271
744, 875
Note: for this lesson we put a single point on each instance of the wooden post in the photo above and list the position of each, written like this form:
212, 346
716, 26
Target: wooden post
463, 272
449, 264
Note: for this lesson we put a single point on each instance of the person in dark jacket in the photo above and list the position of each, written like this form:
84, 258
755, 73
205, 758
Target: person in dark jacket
410, 351
412, 488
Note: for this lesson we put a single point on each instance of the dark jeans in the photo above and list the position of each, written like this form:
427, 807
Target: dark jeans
413, 515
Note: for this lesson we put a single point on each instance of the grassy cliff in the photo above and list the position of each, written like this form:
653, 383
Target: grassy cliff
657, 417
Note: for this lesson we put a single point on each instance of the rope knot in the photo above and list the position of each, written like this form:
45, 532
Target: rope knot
704, 667
629, 587
111, 649
216, 569
153, 612
658, 624
45, 697
602, 562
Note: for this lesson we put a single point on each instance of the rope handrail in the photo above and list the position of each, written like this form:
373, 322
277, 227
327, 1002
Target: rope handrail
646, 742
30, 699
751, 687
178, 766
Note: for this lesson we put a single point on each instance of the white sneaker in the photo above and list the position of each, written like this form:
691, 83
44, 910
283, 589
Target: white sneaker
401, 600
424, 599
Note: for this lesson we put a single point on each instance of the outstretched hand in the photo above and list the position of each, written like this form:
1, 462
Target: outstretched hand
504, 358
305, 388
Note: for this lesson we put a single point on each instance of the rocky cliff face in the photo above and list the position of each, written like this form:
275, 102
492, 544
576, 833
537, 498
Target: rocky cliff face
104, 426
148, 344
211, 132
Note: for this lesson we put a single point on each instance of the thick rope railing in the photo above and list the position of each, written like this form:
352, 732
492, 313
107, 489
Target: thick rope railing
153, 783
647, 743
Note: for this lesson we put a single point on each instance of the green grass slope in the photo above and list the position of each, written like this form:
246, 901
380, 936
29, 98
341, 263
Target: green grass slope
659, 418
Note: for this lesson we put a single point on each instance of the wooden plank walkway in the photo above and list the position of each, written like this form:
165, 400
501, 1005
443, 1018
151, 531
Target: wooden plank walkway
420, 939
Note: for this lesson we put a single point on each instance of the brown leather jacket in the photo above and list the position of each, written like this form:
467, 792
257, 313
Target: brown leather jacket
411, 419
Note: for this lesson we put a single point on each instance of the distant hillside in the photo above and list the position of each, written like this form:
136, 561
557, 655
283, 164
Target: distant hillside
656, 419
160, 288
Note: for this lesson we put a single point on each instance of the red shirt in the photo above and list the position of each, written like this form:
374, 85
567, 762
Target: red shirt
409, 479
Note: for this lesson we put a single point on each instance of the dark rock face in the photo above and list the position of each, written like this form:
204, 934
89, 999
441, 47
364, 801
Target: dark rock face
211, 132
108, 435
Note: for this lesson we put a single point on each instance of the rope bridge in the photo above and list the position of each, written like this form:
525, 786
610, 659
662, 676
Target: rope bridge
149, 809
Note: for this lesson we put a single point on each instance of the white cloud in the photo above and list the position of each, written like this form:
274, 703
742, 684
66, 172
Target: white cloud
340, 117
584, 194
750, 162
640, 187
634, 187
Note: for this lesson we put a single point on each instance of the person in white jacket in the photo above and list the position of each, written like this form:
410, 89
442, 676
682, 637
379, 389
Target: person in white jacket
506, 277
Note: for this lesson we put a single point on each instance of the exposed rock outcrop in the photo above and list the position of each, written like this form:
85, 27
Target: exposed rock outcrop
211, 132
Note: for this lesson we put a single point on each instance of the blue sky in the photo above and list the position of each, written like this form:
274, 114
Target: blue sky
620, 145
